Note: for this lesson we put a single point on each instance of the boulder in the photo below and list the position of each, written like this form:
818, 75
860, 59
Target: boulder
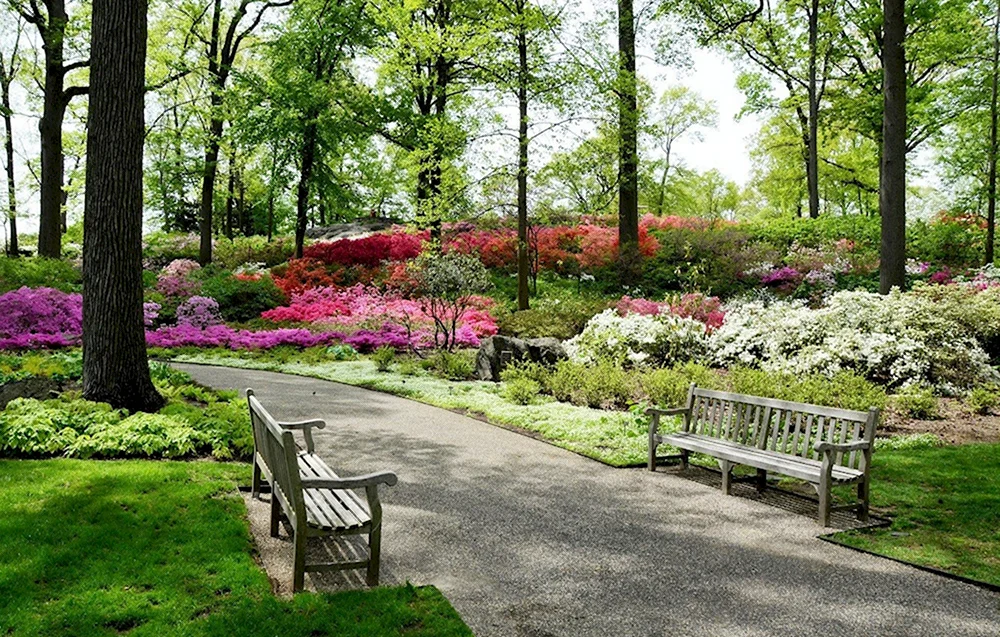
495, 353
353, 230
38, 388
546, 350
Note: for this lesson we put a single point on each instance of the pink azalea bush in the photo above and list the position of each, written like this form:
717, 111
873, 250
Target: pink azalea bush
40, 318
361, 306
704, 309
200, 312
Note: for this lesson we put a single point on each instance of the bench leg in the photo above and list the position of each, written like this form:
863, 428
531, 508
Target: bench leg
299, 568
374, 555
255, 482
825, 486
761, 480
684, 459
863, 498
653, 426
275, 513
727, 476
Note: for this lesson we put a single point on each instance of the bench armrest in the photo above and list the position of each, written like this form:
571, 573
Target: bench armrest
355, 482
675, 411
304, 424
858, 445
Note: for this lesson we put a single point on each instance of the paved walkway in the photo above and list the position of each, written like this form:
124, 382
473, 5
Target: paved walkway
527, 539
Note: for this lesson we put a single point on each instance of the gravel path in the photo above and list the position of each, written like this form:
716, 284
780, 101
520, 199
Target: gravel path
528, 539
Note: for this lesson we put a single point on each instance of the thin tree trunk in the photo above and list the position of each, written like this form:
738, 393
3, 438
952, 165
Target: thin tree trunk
522, 162
13, 249
628, 153
991, 210
230, 198
892, 173
662, 194
115, 367
812, 150
305, 175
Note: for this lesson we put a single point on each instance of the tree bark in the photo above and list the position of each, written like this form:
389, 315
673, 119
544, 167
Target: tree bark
628, 153
6, 78
991, 206
812, 146
305, 175
522, 161
115, 367
54, 103
892, 173
662, 193
230, 197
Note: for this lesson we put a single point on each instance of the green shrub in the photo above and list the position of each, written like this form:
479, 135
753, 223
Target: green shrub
602, 385
528, 370
452, 365
342, 352
689, 260
232, 253
917, 402
383, 358
561, 318
242, 299
35, 272
139, 435
522, 391
408, 367
977, 312
669, 387
907, 442
845, 390
950, 243
983, 399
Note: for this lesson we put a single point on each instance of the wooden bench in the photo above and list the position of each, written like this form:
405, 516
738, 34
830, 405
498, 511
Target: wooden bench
821, 445
315, 500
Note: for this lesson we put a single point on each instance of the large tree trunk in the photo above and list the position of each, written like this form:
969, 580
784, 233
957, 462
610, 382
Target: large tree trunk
115, 368
230, 198
628, 153
305, 175
812, 147
892, 173
522, 163
50, 130
5, 80
991, 206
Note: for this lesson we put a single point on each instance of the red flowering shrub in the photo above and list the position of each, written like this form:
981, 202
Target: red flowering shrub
707, 309
302, 274
368, 251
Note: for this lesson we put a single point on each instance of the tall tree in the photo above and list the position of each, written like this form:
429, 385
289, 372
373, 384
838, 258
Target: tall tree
7, 73
115, 367
51, 19
681, 111
991, 188
892, 176
628, 146
221, 51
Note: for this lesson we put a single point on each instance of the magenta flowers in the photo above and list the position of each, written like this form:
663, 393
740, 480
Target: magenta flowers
40, 318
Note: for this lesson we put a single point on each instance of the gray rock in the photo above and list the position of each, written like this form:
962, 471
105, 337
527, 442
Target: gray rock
348, 230
546, 350
495, 353
38, 388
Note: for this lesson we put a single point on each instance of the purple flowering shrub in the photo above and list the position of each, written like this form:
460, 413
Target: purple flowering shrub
150, 312
200, 312
40, 318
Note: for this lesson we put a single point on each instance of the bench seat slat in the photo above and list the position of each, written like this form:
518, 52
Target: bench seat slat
796, 467
346, 497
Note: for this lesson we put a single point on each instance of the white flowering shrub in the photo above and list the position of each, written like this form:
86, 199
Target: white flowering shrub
638, 339
894, 340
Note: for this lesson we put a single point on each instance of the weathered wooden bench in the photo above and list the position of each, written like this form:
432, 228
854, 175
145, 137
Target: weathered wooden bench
820, 445
315, 500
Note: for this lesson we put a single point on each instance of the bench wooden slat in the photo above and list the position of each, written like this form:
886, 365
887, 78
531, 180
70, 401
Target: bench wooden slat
314, 509
796, 467
775, 435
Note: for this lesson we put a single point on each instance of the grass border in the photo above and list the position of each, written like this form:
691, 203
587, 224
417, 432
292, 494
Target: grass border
832, 539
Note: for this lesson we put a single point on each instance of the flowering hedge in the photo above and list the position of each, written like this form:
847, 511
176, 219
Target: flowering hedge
894, 340
638, 339
39, 318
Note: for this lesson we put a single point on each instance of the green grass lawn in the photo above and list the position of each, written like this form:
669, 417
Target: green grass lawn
945, 505
163, 548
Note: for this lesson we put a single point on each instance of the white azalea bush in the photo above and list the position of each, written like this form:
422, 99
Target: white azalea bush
895, 340
638, 339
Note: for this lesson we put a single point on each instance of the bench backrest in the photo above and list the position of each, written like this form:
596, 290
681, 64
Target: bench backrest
779, 425
275, 447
